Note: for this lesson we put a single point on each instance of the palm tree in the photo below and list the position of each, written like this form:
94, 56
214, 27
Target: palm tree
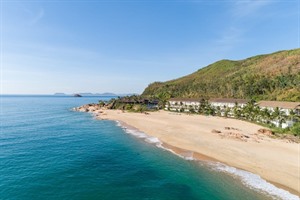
169, 105
279, 116
246, 111
292, 115
210, 110
256, 113
265, 116
237, 111
218, 111
202, 107
227, 110
275, 113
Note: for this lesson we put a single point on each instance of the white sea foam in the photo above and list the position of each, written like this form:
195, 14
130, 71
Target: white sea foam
141, 135
135, 133
189, 157
254, 181
118, 123
152, 140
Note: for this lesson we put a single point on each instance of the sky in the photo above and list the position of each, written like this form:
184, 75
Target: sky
50, 46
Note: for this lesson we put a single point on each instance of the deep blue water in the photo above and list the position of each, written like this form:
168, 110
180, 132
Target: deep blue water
48, 151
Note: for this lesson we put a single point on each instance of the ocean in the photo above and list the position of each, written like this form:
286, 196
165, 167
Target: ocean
48, 151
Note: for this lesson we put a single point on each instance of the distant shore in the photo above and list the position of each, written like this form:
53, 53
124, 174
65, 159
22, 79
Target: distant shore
232, 142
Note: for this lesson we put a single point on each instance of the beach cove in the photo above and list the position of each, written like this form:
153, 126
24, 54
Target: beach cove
232, 142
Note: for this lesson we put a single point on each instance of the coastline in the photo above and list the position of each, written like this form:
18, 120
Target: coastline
184, 153
273, 160
196, 156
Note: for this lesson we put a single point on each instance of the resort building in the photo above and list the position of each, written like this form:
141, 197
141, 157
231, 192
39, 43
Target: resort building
283, 108
150, 103
227, 103
186, 104
183, 104
281, 114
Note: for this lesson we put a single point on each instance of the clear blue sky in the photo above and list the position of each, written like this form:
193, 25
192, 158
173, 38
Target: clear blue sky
122, 46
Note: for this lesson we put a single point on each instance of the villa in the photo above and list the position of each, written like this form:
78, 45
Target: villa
186, 104
227, 103
226, 107
283, 107
223, 104
183, 104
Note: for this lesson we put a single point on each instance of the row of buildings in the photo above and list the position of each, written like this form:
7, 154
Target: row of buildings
224, 105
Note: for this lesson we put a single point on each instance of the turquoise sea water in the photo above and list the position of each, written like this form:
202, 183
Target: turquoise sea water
48, 151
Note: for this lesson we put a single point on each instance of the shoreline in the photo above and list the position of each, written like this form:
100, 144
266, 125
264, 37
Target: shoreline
274, 160
183, 153
196, 156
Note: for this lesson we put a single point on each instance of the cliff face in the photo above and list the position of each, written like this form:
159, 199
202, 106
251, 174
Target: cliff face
273, 76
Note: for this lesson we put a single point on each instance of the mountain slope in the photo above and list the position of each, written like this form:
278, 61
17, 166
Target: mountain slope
273, 76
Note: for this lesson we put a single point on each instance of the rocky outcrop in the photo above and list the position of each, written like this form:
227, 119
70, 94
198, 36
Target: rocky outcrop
88, 108
231, 134
265, 132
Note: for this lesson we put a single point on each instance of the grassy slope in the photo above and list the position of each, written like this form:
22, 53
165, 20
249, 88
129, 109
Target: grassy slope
273, 76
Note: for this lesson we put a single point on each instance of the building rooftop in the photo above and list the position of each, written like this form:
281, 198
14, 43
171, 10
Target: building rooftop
228, 100
186, 99
279, 104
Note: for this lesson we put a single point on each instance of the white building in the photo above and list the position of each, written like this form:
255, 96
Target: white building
227, 103
226, 107
284, 107
183, 104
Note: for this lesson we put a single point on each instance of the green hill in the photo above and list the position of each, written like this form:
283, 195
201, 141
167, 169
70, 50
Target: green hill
273, 76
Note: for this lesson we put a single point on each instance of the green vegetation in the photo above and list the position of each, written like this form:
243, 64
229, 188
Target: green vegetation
296, 129
251, 113
273, 76
134, 103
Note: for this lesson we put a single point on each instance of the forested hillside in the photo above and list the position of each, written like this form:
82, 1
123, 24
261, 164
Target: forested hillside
273, 76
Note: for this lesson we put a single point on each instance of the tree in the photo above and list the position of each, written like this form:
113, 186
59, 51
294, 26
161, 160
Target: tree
292, 115
296, 129
275, 114
203, 106
192, 110
227, 110
237, 111
279, 116
265, 115
218, 111
101, 103
128, 106
209, 110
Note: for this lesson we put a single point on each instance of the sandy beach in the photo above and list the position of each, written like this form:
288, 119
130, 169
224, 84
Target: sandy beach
233, 142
